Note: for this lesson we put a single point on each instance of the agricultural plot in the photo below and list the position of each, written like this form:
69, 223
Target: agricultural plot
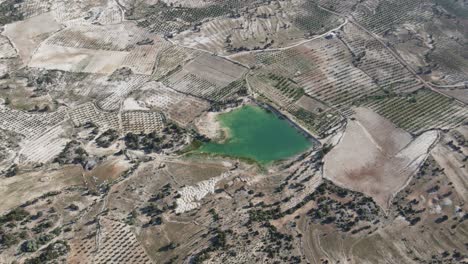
273, 25
258, 21
141, 59
27, 124
208, 77
142, 121
112, 92
112, 112
436, 49
287, 94
27, 9
178, 107
342, 7
100, 49
380, 16
323, 69
450, 53
371, 57
321, 124
313, 20
189, 3
86, 12
88, 113
460, 94
118, 37
172, 58
115, 244
82, 250
276, 91
76, 88
336, 81
45, 147
119, 244
166, 19
432, 42
422, 47
337, 71
420, 111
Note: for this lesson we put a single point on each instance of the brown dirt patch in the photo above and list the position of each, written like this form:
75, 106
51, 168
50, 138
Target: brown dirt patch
375, 157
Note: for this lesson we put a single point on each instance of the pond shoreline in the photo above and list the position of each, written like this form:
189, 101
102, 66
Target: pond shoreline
282, 116
261, 133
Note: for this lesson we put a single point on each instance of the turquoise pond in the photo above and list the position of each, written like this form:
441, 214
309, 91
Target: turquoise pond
257, 134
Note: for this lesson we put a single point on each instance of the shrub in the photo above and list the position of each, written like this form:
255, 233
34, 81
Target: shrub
29, 246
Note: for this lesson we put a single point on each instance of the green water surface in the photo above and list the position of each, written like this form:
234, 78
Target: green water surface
257, 134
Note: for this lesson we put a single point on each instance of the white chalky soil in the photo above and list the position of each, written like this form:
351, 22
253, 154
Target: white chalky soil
191, 195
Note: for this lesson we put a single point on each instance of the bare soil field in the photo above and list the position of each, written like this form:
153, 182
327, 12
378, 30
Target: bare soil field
118, 37
375, 157
77, 59
27, 35
24, 187
106, 172
100, 49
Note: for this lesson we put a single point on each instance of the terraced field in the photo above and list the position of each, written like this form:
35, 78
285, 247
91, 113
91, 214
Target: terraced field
420, 111
269, 25
208, 77
436, 25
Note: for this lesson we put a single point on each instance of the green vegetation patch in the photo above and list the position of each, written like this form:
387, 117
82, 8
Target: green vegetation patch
418, 111
163, 18
314, 19
9, 12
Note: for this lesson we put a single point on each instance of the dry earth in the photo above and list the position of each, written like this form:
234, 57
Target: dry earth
375, 157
